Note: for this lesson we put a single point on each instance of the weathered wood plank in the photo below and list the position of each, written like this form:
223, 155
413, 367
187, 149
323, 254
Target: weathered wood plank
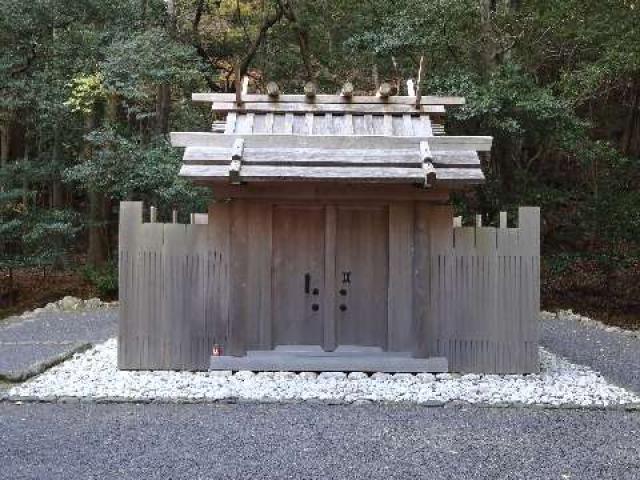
219, 230
232, 118
503, 220
237, 148
259, 227
253, 173
454, 159
238, 274
288, 123
305, 156
448, 143
200, 218
345, 98
468, 176
327, 191
298, 274
128, 239
401, 335
283, 107
329, 313
362, 235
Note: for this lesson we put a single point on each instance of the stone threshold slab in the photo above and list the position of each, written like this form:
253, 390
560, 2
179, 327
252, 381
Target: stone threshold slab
311, 358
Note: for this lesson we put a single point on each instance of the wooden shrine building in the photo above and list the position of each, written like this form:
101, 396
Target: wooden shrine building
330, 245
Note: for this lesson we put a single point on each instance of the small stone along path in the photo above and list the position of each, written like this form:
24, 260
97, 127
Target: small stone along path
38, 340
94, 375
35, 341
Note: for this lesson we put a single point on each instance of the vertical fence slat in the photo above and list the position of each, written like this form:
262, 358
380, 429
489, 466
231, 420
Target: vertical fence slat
484, 307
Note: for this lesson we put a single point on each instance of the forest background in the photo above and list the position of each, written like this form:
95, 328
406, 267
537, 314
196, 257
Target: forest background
89, 90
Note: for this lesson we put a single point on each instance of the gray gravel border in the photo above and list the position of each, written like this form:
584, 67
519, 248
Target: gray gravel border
25, 400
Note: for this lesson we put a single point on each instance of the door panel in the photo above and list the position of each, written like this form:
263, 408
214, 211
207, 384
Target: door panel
298, 275
362, 262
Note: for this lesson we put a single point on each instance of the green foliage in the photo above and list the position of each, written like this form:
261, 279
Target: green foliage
105, 279
88, 87
127, 168
86, 92
31, 236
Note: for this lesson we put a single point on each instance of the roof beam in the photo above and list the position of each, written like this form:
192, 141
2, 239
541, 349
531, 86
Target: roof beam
347, 98
329, 142
292, 107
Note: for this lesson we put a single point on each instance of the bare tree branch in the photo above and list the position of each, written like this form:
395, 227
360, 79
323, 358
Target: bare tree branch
303, 36
197, 17
267, 24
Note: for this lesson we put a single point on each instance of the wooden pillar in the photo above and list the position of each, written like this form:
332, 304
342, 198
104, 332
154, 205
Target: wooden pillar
433, 240
130, 223
329, 312
238, 279
217, 317
400, 325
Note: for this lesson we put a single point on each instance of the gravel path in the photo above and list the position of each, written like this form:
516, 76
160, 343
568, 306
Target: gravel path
312, 441
30, 345
614, 354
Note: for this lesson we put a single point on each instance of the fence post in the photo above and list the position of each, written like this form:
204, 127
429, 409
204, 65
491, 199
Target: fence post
503, 219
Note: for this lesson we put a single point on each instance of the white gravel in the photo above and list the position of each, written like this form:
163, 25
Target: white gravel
94, 375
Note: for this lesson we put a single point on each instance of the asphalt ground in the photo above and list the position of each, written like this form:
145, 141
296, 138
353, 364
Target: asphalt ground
614, 354
30, 346
248, 441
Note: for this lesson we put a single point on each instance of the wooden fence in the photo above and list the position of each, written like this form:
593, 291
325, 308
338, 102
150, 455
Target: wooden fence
169, 277
478, 299
475, 289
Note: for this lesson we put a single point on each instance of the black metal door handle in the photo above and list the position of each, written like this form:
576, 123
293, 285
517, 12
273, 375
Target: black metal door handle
307, 282
342, 307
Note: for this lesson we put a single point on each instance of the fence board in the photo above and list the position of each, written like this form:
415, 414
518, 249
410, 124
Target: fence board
483, 286
475, 289
167, 274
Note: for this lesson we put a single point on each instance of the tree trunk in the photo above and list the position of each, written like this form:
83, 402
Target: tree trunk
163, 108
98, 242
631, 135
57, 188
488, 52
171, 13
97, 250
25, 181
4, 144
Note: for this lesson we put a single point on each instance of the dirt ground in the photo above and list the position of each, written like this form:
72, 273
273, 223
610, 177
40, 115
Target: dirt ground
610, 295
33, 288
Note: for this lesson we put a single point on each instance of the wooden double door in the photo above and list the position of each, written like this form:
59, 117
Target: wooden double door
329, 281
